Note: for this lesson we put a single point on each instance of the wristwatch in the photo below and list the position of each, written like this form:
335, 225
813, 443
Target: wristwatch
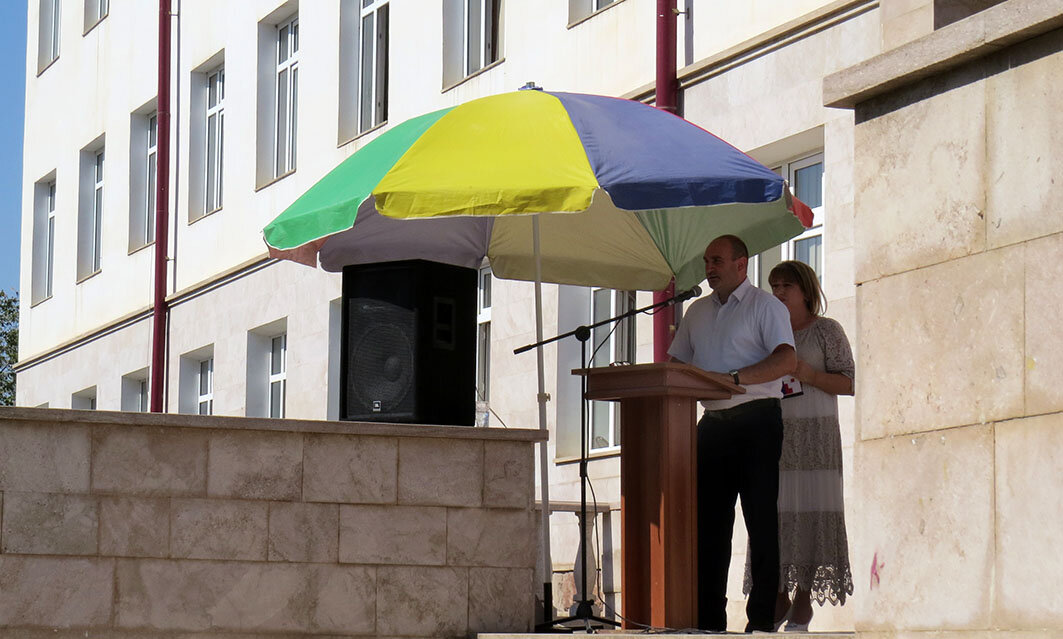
734, 376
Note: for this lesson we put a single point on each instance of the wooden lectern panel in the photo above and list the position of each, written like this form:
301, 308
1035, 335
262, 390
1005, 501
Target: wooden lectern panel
658, 484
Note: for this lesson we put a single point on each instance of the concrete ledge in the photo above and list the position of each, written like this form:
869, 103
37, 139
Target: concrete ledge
643, 634
133, 524
175, 420
974, 37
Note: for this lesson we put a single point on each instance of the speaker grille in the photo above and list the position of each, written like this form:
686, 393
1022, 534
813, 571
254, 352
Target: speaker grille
409, 343
382, 359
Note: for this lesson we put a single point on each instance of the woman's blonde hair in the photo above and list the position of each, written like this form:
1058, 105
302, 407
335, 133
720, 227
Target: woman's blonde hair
801, 274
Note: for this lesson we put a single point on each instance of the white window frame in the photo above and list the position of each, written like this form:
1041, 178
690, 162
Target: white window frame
484, 286
373, 66
287, 79
277, 377
97, 211
617, 346
205, 392
486, 52
135, 391
49, 256
49, 32
579, 10
42, 261
151, 163
95, 12
143, 396
212, 163
788, 250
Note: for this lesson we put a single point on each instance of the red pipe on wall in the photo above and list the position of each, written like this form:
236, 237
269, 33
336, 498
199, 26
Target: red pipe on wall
162, 206
667, 94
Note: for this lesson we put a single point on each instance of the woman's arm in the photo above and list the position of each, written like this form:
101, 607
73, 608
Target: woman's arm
833, 383
837, 356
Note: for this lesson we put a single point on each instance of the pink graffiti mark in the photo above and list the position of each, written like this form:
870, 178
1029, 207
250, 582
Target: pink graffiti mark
875, 566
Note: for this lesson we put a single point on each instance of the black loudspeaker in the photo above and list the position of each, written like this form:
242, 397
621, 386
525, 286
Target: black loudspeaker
409, 343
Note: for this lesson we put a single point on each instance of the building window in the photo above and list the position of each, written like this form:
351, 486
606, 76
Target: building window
95, 12
580, 9
195, 384
267, 370
610, 344
90, 210
151, 166
97, 212
481, 34
48, 33
805, 176
287, 96
43, 272
152, 169
206, 132
143, 173
50, 246
135, 391
477, 25
483, 336
84, 399
278, 355
215, 120
205, 384
373, 67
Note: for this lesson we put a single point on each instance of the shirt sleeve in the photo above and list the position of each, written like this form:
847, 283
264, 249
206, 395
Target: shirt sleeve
681, 347
775, 326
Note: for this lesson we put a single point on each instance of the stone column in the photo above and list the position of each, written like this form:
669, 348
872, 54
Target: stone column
959, 272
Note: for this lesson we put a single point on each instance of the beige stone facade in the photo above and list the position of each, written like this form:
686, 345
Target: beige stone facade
959, 230
121, 524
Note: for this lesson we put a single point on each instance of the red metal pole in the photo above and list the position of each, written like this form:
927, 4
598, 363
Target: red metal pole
667, 94
162, 206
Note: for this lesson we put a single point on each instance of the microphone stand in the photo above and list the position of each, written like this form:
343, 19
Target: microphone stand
584, 606
682, 297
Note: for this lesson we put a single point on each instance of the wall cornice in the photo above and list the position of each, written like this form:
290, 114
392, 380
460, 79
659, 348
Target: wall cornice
102, 418
974, 37
763, 44
188, 293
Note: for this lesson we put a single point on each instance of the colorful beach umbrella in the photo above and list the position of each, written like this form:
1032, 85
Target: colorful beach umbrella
628, 196
551, 187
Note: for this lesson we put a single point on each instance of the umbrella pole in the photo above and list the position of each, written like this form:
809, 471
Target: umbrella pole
544, 475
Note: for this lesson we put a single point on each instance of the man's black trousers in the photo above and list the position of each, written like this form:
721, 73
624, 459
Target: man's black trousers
738, 456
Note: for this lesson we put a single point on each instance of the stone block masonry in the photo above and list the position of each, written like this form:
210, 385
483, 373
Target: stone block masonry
132, 524
957, 222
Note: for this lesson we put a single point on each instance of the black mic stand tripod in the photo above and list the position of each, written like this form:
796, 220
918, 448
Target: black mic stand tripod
585, 606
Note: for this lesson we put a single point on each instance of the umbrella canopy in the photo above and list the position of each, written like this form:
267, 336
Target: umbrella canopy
556, 187
631, 194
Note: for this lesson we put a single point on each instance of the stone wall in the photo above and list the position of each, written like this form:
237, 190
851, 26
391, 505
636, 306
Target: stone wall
959, 230
123, 524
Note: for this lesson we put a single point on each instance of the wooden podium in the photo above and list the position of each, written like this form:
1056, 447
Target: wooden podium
658, 484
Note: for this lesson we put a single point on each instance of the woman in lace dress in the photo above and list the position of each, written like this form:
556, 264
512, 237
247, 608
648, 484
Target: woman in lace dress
813, 550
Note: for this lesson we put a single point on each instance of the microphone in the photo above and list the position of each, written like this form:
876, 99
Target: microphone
685, 295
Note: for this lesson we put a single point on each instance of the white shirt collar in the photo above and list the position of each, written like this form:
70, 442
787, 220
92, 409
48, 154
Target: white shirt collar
738, 293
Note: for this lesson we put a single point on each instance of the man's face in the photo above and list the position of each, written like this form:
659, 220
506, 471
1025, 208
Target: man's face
722, 270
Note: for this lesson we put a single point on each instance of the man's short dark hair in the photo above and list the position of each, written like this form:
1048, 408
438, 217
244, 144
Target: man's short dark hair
738, 247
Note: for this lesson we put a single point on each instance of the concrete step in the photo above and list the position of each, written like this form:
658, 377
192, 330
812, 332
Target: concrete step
624, 634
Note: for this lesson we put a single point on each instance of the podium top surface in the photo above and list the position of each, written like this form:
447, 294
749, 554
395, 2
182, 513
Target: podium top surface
664, 379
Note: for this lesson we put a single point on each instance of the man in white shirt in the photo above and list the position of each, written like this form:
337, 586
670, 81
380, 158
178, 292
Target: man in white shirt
739, 334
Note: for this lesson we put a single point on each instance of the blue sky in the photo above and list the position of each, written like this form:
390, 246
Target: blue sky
12, 106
